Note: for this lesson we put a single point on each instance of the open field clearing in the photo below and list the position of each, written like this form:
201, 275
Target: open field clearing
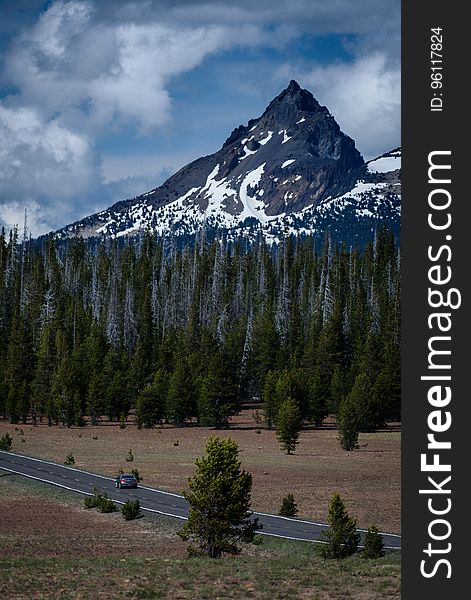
52, 547
368, 479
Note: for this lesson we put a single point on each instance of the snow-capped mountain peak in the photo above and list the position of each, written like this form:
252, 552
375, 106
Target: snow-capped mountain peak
291, 169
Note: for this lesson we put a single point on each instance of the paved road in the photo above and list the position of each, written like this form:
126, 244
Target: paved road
153, 500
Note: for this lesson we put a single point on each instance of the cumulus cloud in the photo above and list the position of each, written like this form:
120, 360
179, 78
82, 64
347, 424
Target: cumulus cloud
41, 161
78, 78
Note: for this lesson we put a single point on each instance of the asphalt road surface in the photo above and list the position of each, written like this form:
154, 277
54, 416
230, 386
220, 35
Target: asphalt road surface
156, 501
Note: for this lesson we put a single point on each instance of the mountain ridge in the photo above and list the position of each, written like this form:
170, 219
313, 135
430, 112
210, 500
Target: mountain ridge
291, 169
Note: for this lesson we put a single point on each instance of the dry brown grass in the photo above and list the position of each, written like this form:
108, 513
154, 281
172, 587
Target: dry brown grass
368, 479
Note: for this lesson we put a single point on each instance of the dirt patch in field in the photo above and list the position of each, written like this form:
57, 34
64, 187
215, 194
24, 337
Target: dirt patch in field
368, 479
33, 526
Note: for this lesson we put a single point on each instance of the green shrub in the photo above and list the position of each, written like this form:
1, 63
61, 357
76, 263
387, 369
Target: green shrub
130, 456
5, 442
289, 507
94, 500
131, 509
100, 501
373, 543
70, 460
106, 505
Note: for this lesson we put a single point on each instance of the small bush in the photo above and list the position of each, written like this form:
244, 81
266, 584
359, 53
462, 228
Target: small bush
5, 442
373, 542
130, 456
100, 501
289, 508
131, 510
70, 460
106, 505
122, 422
94, 500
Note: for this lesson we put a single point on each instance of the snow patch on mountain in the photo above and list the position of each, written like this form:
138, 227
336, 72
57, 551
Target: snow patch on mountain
385, 164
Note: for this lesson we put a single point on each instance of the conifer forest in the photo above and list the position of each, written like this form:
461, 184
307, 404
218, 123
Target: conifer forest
90, 331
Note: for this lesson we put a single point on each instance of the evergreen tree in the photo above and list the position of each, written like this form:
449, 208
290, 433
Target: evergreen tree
270, 399
219, 500
19, 363
288, 507
348, 421
151, 402
288, 424
218, 393
181, 404
265, 347
373, 543
341, 538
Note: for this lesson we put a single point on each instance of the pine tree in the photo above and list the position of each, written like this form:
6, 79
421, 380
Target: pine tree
288, 424
218, 393
341, 538
373, 543
348, 420
219, 500
288, 508
151, 402
269, 397
181, 402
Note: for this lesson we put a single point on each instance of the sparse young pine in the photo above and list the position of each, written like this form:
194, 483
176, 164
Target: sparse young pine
100, 501
288, 424
106, 505
289, 508
341, 538
131, 509
6, 442
70, 460
94, 500
373, 543
219, 500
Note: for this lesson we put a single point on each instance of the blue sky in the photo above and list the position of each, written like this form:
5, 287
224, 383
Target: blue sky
102, 100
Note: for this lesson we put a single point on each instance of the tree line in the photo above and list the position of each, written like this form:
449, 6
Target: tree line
187, 335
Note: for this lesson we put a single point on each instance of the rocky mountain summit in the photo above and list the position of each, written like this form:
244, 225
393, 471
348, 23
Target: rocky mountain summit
292, 170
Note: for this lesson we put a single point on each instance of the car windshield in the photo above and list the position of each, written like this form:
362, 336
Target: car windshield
127, 477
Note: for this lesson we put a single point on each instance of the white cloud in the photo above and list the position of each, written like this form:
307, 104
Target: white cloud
78, 79
58, 25
41, 163
96, 75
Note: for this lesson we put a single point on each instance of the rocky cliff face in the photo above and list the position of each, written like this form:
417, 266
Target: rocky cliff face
290, 169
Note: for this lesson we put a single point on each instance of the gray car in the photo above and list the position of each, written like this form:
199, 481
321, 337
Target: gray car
126, 480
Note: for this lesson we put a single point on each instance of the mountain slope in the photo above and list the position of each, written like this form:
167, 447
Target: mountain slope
292, 169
